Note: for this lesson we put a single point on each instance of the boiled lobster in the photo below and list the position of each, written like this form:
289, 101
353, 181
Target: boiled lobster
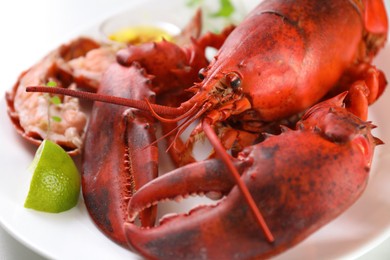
281, 60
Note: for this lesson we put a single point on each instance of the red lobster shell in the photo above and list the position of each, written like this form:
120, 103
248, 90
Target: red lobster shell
281, 60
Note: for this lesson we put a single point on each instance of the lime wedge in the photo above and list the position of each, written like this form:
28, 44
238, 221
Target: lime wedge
55, 184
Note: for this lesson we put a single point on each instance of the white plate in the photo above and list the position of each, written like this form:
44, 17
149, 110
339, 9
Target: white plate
359, 229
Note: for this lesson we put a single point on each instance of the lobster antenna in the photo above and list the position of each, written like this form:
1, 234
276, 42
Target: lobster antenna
166, 135
170, 120
244, 190
139, 104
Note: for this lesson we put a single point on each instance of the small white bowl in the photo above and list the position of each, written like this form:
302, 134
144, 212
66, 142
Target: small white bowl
128, 20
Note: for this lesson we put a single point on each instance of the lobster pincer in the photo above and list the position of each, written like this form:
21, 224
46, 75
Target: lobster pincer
300, 180
112, 174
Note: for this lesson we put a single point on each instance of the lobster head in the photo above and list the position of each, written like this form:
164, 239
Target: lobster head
300, 179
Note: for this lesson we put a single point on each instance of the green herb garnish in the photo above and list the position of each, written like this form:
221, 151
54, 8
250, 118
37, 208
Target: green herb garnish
192, 3
226, 13
226, 9
56, 118
51, 84
55, 100
52, 100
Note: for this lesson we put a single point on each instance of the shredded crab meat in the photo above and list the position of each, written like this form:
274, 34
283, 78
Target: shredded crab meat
33, 110
93, 64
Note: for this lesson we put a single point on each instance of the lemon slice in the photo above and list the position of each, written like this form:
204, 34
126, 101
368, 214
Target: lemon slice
55, 184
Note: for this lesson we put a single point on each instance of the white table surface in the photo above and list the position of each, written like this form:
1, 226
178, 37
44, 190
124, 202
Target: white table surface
29, 29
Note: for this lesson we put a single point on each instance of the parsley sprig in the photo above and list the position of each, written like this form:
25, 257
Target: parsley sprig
226, 13
226, 9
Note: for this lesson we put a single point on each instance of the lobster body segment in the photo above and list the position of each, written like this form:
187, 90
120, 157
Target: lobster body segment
297, 190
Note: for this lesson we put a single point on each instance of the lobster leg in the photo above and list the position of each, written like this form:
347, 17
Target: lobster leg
122, 165
235, 140
297, 190
366, 91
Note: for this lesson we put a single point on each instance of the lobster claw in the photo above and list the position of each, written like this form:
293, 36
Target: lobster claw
300, 180
110, 176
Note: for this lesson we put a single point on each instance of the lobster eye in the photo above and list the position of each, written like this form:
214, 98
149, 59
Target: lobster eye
234, 80
202, 74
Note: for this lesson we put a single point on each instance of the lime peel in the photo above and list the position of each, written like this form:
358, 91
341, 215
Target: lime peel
55, 184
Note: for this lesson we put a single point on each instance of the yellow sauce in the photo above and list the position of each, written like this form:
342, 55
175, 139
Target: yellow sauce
140, 34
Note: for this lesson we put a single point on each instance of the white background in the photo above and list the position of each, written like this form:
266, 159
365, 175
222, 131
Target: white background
28, 30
